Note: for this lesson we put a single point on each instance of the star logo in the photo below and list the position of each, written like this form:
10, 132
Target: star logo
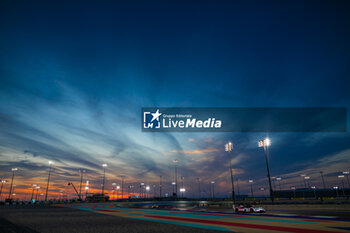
151, 119
156, 115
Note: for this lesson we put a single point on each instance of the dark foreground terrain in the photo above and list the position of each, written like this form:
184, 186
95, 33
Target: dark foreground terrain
111, 217
57, 219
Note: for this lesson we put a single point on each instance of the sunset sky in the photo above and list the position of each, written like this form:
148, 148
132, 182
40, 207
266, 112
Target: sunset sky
74, 76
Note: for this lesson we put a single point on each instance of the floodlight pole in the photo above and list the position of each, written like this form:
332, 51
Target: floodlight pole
212, 189
228, 148
34, 185
343, 188
306, 178
279, 182
160, 186
199, 188
251, 188
81, 182
2, 184
37, 193
48, 180
182, 186
13, 176
104, 177
103, 182
265, 142
346, 173
122, 185
324, 184
175, 164
342, 182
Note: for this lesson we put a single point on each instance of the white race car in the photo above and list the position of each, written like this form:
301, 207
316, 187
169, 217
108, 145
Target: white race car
258, 209
250, 209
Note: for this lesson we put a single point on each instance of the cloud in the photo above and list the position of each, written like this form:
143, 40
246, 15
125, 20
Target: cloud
76, 134
203, 159
197, 151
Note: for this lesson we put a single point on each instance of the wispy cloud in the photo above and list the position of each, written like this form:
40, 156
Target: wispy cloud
197, 151
77, 133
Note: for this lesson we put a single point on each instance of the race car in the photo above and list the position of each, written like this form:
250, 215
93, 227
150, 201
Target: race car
250, 209
242, 209
258, 209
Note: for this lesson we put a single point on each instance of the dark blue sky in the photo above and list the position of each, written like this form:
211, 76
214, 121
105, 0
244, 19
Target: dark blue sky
75, 74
